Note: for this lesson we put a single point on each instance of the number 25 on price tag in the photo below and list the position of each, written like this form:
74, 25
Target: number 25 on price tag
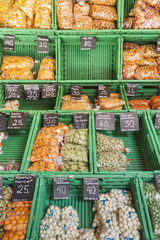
129, 121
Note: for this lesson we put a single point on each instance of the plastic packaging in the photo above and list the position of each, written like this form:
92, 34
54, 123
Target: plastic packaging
84, 98
75, 105
156, 106
87, 234
108, 144
44, 4
154, 99
155, 3
148, 50
138, 102
100, 12
110, 103
147, 73
17, 74
45, 153
43, 19
43, 166
4, 20
81, 10
17, 18
11, 105
128, 23
83, 23
27, 6
150, 61
129, 71
30, 23
65, 14
103, 2
140, 107
76, 167
5, 5
129, 45
11, 165
47, 68
44, 139
77, 136
74, 153
104, 24
17, 62
132, 56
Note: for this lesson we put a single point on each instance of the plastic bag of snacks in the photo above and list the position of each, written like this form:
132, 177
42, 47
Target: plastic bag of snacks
75, 105
83, 23
103, 2
75, 153
104, 24
44, 139
43, 166
110, 103
11, 165
74, 166
100, 12
148, 50
17, 18
45, 4
147, 73
77, 136
132, 56
5, 5
46, 153
16, 74
27, 6
81, 10
129, 71
138, 102
4, 20
140, 107
65, 14
84, 98
30, 22
129, 45
47, 68
11, 105
43, 19
17, 62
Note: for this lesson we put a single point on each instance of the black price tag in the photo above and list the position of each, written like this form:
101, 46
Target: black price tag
157, 177
43, 44
105, 121
90, 188
61, 188
76, 92
49, 90
31, 92
23, 188
103, 91
158, 45
17, 120
2, 121
157, 121
129, 121
81, 120
1, 188
88, 43
50, 119
12, 91
9, 42
131, 90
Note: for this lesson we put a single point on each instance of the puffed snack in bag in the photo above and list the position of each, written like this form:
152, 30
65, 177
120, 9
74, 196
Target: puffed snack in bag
65, 14
16, 62
17, 74
101, 12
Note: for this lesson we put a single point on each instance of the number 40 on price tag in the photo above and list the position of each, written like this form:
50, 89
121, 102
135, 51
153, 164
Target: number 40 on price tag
91, 188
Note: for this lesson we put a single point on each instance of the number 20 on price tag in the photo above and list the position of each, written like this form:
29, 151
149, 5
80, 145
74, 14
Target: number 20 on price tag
129, 121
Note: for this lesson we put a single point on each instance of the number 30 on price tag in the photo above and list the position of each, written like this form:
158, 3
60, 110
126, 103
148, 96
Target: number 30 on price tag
129, 121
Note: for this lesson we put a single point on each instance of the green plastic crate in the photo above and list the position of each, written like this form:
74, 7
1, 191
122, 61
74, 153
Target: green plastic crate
17, 143
84, 208
89, 32
26, 45
91, 90
101, 63
147, 179
145, 91
127, 5
66, 118
144, 153
27, 105
8, 180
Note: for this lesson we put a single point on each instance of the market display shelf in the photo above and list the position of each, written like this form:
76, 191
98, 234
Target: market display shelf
101, 63
84, 208
26, 45
8, 180
15, 147
91, 90
143, 155
66, 118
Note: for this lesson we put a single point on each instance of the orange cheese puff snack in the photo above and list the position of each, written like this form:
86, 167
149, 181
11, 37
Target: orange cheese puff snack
43, 166
17, 74
83, 23
101, 12
27, 6
43, 19
17, 62
109, 103
45, 4
44, 139
17, 18
75, 105
103, 2
138, 102
129, 45
44, 153
84, 98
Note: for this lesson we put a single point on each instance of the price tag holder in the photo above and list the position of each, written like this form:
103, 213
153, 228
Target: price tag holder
158, 45
81, 120
9, 42
23, 188
157, 121
2, 121
61, 188
17, 120
50, 120
49, 90
103, 91
157, 177
12, 91
88, 43
76, 92
105, 121
31, 92
1, 188
43, 44
129, 121
131, 90
90, 188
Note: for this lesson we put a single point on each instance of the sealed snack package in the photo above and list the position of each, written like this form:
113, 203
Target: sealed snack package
148, 50
154, 3
104, 24
132, 56
100, 12
70, 166
27, 6
30, 22
158, 60
129, 45
44, 139
150, 61
48, 63
11, 105
43, 166
103, 2
74, 153
83, 23
156, 106
17, 62
108, 144
49, 152
138, 4
17, 18
111, 161
77, 136
46, 70
155, 99
140, 107
43, 19
110, 103
147, 73
44, 4
4, 20
129, 71
17, 74
74, 105
5, 5
138, 102
65, 14
128, 23
81, 10
84, 98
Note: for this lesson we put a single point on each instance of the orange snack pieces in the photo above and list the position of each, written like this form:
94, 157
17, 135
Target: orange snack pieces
16, 74
16, 18
83, 23
44, 139
147, 73
138, 102
43, 166
101, 12
45, 153
47, 68
17, 62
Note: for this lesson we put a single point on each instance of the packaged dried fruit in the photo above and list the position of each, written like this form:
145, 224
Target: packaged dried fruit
154, 99
147, 73
43, 19
129, 71
129, 45
46, 70
104, 24
17, 74
27, 6
150, 61
103, 2
158, 60
140, 107
43, 166
128, 23
44, 139
44, 4
81, 10
132, 56
65, 14
4, 20
74, 105
138, 102
83, 23
154, 3
75, 153
148, 50
84, 98
46, 153
16, 62
77, 136
17, 18
109, 103
100, 12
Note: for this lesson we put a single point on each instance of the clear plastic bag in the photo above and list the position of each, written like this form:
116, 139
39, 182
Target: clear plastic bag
65, 14
44, 4
44, 139
154, 3
150, 61
17, 62
81, 10
11, 105
83, 23
17, 18
140, 107
17, 74
47, 68
84, 98
154, 99
30, 22
100, 12
43, 19
110, 103
130, 45
148, 50
5, 5
104, 24
103, 2
48, 63
4, 20
75, 105
79, 166
43, 166
158, 60
77, 136
75, 153
128, 23
129, 71
147, 73
138, 102
132, 57
27, 6
45, 153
